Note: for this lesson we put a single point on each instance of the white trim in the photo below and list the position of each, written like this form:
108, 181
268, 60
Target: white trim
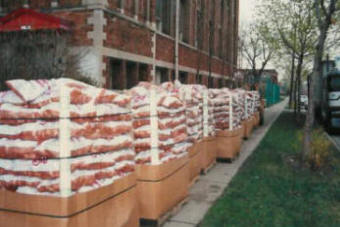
98, 35
177, 41
153, 50
230, 112
164, 35
64, 142
154, 128
126, 56
205, 113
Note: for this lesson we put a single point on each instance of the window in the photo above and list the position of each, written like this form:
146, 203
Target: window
199, 79
132, 74
127, 74
2, 6
162, 75
143, 72
117, 78
183, 77
164, 15
184, 20
210, 82
129, 7
220, 83
173, 75
10, 5
212, 28
229, 40
220, 32
199, 24
120, 3
136, 7
228, 83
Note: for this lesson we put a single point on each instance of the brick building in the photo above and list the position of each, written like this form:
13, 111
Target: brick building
126, 41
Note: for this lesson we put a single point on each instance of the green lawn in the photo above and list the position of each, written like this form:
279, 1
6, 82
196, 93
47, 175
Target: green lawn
268, 191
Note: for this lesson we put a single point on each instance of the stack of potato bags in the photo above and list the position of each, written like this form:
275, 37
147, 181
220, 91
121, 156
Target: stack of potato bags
60, 137
237, 110
170, 129
241, 102
257, 100
250, 104
192, 97
221, 103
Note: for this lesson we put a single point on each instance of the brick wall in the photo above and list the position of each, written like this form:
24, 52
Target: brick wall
40, 4
187, 56
165, 49
125, 36
69, 3
113, 4
130, 37
80, 26
36, 4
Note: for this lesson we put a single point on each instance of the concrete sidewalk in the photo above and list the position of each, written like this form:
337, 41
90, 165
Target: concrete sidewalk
210, 187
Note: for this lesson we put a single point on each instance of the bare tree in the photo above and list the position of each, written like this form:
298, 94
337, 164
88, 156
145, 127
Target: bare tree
256, 50
300, 41
38, 55
292, 26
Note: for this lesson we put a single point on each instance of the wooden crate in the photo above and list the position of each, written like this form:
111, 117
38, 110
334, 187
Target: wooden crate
248, 125
113, 205
162, 187
195, 161
208, 147
229, 143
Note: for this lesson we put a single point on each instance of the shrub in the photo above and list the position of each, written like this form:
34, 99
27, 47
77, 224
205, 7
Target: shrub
321, 152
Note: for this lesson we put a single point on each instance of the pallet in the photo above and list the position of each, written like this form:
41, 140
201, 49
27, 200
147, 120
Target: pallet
226, 160
194, 181
161, 220
205, 171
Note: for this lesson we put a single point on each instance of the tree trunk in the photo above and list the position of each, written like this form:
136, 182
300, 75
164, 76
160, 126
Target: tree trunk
310, 113
298, 78
292, 81
295, 95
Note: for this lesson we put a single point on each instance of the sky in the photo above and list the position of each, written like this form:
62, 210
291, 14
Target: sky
246, 10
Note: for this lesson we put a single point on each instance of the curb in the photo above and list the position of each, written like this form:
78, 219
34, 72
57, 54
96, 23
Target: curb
333, 141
